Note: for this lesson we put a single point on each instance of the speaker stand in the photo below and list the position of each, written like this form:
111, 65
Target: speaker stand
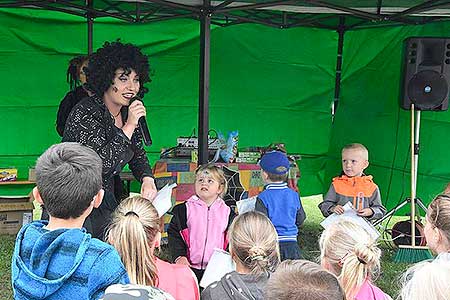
407, 200
415, 138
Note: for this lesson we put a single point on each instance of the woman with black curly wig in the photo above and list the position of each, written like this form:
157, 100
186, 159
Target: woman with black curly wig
108, 122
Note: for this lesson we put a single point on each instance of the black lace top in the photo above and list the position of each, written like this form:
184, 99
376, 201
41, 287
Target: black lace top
91, 124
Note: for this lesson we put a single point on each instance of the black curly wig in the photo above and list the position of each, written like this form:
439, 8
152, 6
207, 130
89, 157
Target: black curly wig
112, 56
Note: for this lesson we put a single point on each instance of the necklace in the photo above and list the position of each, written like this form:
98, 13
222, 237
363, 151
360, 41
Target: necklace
115, 116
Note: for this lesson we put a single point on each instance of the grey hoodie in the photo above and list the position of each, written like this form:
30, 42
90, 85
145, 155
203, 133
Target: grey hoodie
236, 286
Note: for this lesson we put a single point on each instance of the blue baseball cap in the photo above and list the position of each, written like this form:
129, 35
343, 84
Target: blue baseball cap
275, 162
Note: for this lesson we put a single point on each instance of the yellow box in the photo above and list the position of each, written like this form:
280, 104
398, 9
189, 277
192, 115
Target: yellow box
8, 174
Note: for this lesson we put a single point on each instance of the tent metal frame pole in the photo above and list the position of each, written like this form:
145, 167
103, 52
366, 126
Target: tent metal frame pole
204, 72
222, 9
351, 11
379, 5
418, 8
340, 51
90, 28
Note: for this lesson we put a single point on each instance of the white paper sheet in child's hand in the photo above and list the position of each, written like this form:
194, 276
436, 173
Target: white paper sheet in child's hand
350, 214
246, 205
163, 199
219, 264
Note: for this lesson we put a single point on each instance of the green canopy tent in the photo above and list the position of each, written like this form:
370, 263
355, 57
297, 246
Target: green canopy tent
272, 85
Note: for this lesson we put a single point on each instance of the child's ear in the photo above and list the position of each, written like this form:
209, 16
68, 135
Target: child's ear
366, 164
98, 198
326, 264
437, 235
37, 196
221, 188
264, 174
233, 256
157, 242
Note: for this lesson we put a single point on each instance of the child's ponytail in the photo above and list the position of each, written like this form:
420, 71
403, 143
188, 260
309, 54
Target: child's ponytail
254, 243
133, 229
361, 264
351, 254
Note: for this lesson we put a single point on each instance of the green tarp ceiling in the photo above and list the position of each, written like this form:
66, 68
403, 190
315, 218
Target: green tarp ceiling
271, 85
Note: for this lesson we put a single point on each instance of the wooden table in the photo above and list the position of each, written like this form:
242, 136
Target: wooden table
17, 182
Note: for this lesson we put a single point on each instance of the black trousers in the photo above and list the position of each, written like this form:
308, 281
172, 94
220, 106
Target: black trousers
289, 250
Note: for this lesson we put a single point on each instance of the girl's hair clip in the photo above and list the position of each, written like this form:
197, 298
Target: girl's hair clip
131, 213
342, 260
362, 261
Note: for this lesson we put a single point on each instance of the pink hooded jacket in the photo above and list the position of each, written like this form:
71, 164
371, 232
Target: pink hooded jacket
368, 291
196, 229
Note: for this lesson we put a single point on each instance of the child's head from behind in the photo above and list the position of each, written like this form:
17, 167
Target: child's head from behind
437, 227
134, 232
303, 280
68, 178
355, 159
349, 252
275, 166
254, 243
210, 182
427, 280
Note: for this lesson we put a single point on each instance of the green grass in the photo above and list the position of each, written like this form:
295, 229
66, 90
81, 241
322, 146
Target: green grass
6, 250
387, 280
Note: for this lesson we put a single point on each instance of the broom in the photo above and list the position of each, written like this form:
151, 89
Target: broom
412, 253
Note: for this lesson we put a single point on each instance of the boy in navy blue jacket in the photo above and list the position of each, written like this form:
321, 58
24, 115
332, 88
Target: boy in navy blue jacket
280, 203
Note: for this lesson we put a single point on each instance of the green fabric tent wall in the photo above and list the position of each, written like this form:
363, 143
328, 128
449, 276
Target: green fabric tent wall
369, 113
271, 85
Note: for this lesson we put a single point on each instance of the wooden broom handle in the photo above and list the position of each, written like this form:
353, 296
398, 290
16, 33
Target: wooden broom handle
413, 180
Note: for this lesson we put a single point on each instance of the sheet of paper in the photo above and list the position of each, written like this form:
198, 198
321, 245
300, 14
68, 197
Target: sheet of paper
246, 205
163, 200
350, 214
219, 265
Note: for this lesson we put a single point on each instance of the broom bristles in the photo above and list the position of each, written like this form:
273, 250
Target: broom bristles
409, 254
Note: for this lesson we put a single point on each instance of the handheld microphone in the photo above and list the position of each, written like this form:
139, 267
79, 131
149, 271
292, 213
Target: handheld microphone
143, 125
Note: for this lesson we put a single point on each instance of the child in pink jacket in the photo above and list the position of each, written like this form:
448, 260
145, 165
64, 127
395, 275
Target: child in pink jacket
200, 224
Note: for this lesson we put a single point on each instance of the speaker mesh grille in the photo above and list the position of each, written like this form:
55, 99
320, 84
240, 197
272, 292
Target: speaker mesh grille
427, 90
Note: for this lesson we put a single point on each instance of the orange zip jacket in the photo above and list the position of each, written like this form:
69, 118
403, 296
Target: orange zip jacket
361, 191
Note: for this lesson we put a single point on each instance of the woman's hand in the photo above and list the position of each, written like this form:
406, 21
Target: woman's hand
136, 110
148, 188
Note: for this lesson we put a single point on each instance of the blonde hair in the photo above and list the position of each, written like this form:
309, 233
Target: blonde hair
438, 215
427, 280
254, 242
216, 173
351, 253
359, 147
132, 231
303, 280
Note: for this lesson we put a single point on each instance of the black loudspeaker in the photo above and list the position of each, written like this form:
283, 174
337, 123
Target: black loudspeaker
426, 73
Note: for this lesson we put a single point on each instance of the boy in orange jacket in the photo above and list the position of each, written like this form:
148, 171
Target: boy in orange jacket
354, 186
